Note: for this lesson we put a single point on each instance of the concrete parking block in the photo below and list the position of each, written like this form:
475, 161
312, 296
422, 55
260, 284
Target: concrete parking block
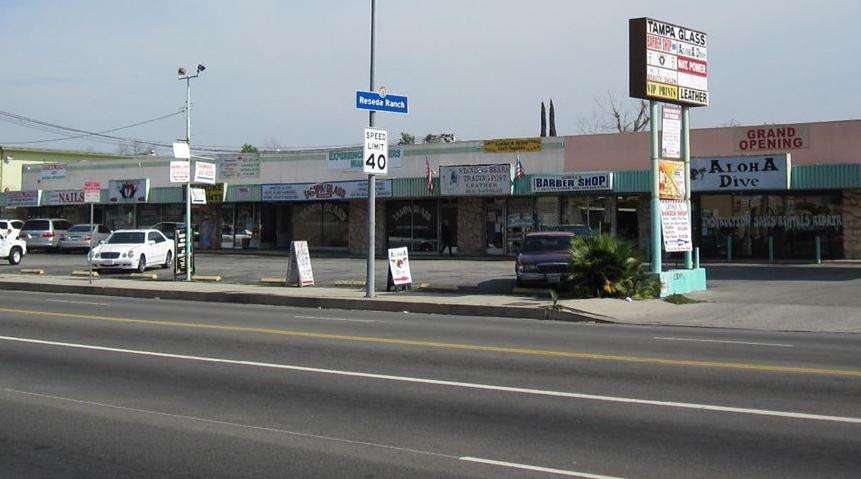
32, 271
207, 278
146, 276
85, 273
274, 281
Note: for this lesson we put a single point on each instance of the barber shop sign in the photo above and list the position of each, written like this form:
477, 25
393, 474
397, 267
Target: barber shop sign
766, 172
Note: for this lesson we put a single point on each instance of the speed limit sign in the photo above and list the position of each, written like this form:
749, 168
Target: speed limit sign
376, 152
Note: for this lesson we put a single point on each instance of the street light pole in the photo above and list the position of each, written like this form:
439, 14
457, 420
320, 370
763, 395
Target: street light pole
189, 238
372, 184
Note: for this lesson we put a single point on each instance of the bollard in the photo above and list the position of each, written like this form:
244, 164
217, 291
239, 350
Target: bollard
697, 257
818, 247
771, 249
729, 249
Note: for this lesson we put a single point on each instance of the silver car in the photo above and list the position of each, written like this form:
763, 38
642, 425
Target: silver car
44, 233
83, 236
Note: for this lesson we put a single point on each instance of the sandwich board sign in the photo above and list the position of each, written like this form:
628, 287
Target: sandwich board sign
299, 269
399, 268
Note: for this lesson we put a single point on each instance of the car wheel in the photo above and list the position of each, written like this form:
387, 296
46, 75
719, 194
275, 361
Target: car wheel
15, 256
142, 264
168, 259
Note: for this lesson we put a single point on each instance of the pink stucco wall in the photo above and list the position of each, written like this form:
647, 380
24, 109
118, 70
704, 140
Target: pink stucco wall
831, 142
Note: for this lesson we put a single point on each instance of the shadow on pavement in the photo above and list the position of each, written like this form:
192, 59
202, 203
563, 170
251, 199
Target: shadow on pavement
782, 273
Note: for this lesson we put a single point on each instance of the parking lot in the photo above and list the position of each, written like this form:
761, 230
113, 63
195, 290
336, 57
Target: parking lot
486, 276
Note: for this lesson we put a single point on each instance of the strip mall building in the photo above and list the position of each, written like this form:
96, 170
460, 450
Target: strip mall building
783, 184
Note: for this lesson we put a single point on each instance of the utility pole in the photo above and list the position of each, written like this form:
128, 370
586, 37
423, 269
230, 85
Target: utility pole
372, 183
189, 238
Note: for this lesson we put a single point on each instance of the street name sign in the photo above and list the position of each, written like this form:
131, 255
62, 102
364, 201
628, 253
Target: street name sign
375, 152
369, 100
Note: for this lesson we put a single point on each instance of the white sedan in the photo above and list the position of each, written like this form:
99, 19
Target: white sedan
133, 249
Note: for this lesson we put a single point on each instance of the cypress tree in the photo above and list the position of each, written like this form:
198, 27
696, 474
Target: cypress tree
552, 119
543, 120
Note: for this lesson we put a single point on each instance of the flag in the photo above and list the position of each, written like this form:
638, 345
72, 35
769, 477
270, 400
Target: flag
518, 169
428, 174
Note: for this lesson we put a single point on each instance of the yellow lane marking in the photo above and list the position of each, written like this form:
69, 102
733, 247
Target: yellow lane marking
452, 346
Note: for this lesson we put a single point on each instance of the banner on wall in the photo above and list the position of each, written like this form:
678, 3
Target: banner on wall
128, 191
512, 145
475, 180
767, 172
352, 159
671, 184
333, 190
771, 137
21, 199
240, 167
676, 226
53, 171
597, 181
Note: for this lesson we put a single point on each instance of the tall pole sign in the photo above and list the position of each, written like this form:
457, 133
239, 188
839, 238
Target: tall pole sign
669, 64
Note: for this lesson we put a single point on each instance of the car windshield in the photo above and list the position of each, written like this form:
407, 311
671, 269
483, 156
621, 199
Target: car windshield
36, 225
127, 238
538, 244
80, 229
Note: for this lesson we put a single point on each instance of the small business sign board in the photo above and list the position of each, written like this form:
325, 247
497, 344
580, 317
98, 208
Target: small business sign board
671, 181
180, 266
676, 226
476, 180
399, 267
20, 199
586, 181
204, 172
352, 160
128, 191
668, 62
179, 171
198, 196
375, 152
64, 197
671, 131
299, 270
92, 192
765, 172
52, 171
369, 100
332, 190
512, 145
766, 138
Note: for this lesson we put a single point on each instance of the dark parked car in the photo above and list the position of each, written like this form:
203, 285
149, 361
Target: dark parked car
544, 257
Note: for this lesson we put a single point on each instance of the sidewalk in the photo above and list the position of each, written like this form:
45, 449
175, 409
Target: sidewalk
721, 307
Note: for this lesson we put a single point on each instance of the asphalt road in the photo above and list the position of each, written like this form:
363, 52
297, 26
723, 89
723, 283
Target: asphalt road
118, 387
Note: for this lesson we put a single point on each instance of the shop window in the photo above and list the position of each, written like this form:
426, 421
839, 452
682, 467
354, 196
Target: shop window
414, 224
321, 224
519, 222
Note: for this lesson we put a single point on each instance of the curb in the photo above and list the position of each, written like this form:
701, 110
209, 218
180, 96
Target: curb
313, 302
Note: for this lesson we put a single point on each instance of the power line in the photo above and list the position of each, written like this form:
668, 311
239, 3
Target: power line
84, 135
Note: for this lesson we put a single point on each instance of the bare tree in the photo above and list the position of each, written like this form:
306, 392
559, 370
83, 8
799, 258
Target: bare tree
613, 115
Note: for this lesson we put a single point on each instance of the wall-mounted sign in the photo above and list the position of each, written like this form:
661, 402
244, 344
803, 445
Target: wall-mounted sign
352, 159
598, 181
671, 131
512, 145
299, 270
65, 197
53, 171
671, 184
240, 167
334, 190
128, 191
676, 226
768, 172
475, 180
243, 193
16, 199
771, 138
667, 62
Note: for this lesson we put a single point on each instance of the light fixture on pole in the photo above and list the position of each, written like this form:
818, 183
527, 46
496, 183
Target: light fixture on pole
183, 74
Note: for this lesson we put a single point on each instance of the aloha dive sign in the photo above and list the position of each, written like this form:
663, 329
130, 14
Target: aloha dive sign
733, 173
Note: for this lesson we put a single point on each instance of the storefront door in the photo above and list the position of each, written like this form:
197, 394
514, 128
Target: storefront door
495, 226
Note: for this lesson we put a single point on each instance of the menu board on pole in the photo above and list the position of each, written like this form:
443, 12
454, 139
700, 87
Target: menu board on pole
299, 270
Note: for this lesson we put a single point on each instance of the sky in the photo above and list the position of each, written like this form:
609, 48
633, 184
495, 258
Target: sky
284, 73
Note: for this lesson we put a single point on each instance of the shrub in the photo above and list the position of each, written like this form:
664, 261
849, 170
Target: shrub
604, 266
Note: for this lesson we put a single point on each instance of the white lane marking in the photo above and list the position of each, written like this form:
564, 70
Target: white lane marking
777, 345
306, 435
561, 472
457, 384
337, 319
74, 302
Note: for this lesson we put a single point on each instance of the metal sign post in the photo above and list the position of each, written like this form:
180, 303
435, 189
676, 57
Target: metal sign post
92, 234
372, 184
656, 181
92, 195
686, 157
